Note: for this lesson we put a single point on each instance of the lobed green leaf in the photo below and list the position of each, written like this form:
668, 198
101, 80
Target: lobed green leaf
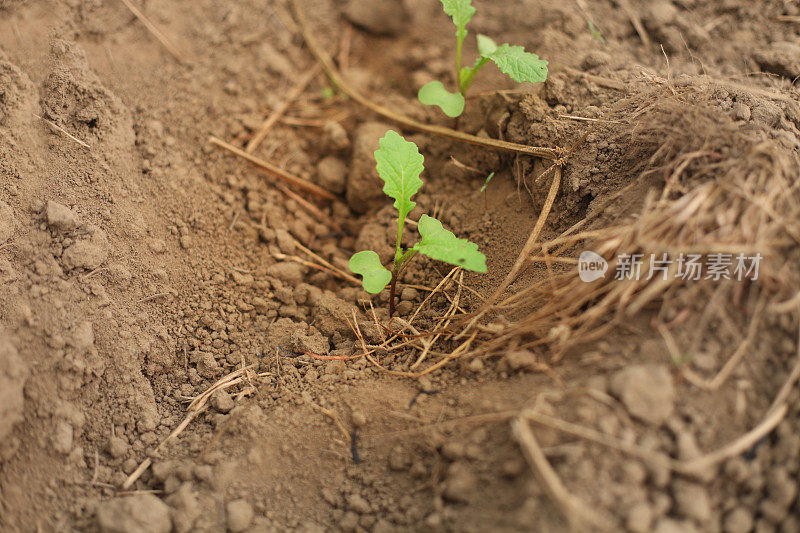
461, 12
399, 165
374, 276
518, 64
440, 244
434, 93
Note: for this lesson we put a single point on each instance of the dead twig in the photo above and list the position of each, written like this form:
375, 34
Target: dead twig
332, 415
578, 514
636, 21
301, 85
310, 208
275, 171
342, 274
157, 33
196, 407
62, 130
338, 273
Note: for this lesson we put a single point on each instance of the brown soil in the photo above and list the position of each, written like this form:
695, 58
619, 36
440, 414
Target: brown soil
140, 264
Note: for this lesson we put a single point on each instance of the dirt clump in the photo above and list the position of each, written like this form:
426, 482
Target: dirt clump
382, 17
134, 514
780, 59
13, 373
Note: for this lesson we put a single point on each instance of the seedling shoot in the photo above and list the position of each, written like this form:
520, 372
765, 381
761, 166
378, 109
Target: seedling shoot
514, 61
399, 165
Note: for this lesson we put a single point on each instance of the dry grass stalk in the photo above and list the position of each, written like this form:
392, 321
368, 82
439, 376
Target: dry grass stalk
693, 467
439, 287
367, 353
723, 191
342, 274
737, 447
62, 130
443, 323
317, 266
579, 516
636, 22
730, 365
310, 208
301, 85
275, 171
791, 381
195, 408
157, 33
332, 415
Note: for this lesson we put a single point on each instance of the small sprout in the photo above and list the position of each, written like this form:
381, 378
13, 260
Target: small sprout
399, 165
514, 61
483, 190
328, 92
486, 183
597, 34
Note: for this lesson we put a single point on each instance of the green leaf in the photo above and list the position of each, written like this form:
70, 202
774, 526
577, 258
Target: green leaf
434, 93
519, 64
461, 12
399, 165
486, 183
374, 275
486, 45
440, 244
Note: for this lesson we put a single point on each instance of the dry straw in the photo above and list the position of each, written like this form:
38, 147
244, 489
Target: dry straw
708, 185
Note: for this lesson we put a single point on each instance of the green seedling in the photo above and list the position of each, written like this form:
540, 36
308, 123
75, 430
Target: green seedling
399, 165
486, 183
597, 33
514, 61
328, 92
483, 190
